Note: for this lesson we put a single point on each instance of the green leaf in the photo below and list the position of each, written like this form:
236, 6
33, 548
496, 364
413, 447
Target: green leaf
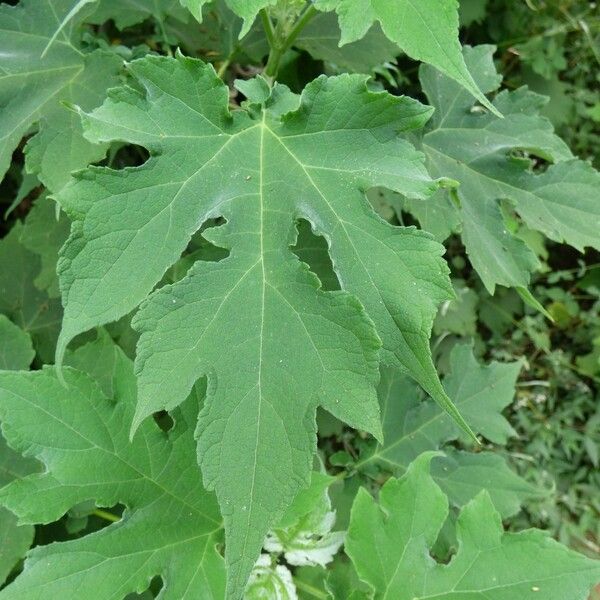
481, 152
472, 11
389, 544
426, 31
343, 582
246, 9
77, 6
170, 525
33, 88
320, 38
463, 475
459, 315
16, 349
21, 300
411, 427
16, 353
296, 347
15, 539
126, 13
43, 233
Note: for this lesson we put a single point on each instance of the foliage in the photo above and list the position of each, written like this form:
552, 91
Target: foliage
388, 546
225, 225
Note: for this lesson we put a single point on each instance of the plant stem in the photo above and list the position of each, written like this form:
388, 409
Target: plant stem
268, 26
281, 40
301, 23
309, 589
107, 516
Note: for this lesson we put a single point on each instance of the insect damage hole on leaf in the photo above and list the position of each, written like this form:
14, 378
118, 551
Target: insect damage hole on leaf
124, 156
313, 250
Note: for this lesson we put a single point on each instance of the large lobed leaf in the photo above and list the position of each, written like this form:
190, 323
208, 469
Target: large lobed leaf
273, 345
389, 544
170, 526
481, 153
36, 76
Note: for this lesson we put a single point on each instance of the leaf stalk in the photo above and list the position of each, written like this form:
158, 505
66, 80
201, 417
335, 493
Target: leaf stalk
282, 37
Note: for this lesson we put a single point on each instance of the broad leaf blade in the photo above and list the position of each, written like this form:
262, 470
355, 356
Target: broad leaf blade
170, 526
293, 347
33, 86
16, 353
412, 426
21, 300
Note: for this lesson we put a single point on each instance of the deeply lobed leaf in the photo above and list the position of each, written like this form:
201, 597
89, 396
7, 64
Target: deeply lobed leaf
481, 152
412, 426
426, 31
294, 346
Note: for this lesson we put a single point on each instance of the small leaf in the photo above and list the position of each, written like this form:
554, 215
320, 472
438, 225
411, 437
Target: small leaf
270, 581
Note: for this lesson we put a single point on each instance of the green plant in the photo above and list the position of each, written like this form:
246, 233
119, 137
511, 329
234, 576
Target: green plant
225, 283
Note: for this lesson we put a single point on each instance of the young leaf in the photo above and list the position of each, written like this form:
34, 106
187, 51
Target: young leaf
411, 427
479, 151
389, 545
426, 31
32, 88
308, 539
292, 346
268, 580
170, 526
